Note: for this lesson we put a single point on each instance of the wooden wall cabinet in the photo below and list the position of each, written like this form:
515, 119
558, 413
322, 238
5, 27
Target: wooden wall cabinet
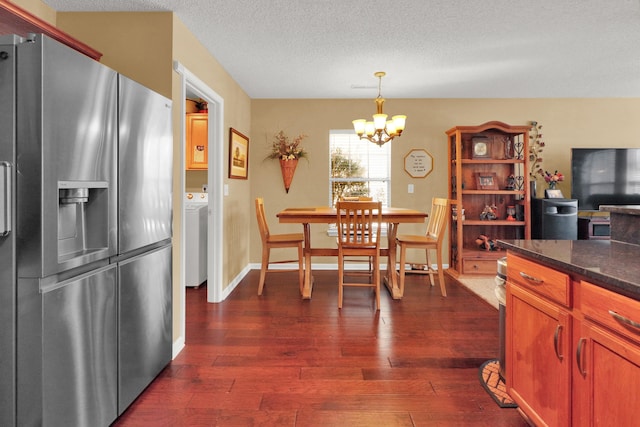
572, 348
197, 141
487, 167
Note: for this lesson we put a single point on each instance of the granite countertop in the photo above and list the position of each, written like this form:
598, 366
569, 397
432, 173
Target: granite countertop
610, 264
621, 209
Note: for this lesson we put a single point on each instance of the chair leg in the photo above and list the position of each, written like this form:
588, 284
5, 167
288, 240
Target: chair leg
443, 287
376, 280
429, 269
340, 279
263, 269
401, 273
300, 267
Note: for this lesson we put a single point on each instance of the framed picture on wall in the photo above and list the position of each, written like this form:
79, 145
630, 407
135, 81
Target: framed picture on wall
238, 155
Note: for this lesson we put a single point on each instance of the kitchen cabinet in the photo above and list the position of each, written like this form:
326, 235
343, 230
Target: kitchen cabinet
606, 374
538, 332
572, 348
489, 192
197, 138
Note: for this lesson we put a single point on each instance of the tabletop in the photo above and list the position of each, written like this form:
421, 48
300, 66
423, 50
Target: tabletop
327, 215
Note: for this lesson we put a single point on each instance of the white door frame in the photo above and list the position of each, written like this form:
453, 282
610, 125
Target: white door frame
215, 177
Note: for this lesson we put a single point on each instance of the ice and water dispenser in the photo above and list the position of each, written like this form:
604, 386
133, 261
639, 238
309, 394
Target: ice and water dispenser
83, 219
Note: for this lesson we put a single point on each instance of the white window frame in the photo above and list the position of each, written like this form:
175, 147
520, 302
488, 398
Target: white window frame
354, 139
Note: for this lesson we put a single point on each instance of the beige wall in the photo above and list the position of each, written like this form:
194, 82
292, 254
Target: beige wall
566, 123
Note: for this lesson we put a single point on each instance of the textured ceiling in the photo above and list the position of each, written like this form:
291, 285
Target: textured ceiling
429, 48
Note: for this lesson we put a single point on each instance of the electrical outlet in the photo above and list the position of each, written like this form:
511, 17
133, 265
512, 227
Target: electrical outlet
410, 189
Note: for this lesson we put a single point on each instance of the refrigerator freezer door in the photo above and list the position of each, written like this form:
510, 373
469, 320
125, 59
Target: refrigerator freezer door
67, 354
145, 167
144, 322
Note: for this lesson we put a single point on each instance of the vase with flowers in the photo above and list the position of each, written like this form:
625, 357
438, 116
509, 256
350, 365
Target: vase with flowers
552, 179
287, 151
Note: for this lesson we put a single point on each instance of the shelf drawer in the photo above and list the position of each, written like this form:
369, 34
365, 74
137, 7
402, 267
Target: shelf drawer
545, 281
617, 312
479, 266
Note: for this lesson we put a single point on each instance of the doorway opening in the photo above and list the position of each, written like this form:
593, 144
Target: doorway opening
192, 86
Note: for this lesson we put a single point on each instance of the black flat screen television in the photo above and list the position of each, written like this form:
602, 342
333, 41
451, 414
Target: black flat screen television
605, 176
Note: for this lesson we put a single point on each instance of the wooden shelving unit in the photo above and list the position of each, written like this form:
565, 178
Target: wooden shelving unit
487, 167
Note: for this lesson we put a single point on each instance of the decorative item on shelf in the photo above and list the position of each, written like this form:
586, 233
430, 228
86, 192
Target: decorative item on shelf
486, 243
380, 130
489, 213
486, 181
202, 106
480, 147
287, 152
454, 214
511, 183
509, 149
511, 211
552, 179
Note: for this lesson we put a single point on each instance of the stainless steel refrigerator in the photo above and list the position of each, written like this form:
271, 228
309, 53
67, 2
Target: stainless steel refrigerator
66, 269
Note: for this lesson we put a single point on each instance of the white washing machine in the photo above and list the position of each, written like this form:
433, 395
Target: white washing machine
196, 205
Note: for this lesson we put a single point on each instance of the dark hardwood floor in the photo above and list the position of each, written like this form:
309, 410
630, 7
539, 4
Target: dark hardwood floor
277, 360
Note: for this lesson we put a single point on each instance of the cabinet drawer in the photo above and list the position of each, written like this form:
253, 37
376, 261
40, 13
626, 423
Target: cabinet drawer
479, 266
617, 312
542, 280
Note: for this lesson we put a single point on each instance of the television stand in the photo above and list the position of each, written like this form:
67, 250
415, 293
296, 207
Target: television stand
593, 225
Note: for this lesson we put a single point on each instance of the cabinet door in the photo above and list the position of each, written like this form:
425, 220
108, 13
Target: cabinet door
538, 338
197, 135
606, 378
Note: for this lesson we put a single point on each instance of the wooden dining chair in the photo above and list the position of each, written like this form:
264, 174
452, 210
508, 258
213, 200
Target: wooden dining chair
359, 226
369, 271
432, 239
273, 241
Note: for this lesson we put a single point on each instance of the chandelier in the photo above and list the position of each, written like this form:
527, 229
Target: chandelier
380, 130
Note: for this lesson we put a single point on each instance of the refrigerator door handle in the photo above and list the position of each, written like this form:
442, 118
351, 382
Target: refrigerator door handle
5, 198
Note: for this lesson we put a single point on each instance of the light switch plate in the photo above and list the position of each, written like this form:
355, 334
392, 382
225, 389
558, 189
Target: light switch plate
410, 189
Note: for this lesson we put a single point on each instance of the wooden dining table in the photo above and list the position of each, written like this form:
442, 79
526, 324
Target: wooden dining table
328, 215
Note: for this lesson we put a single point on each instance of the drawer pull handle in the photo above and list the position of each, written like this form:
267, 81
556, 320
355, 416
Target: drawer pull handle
556, 341
624, 320
531, 278
581, 342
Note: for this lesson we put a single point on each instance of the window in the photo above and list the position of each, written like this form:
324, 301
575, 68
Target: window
358, 167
